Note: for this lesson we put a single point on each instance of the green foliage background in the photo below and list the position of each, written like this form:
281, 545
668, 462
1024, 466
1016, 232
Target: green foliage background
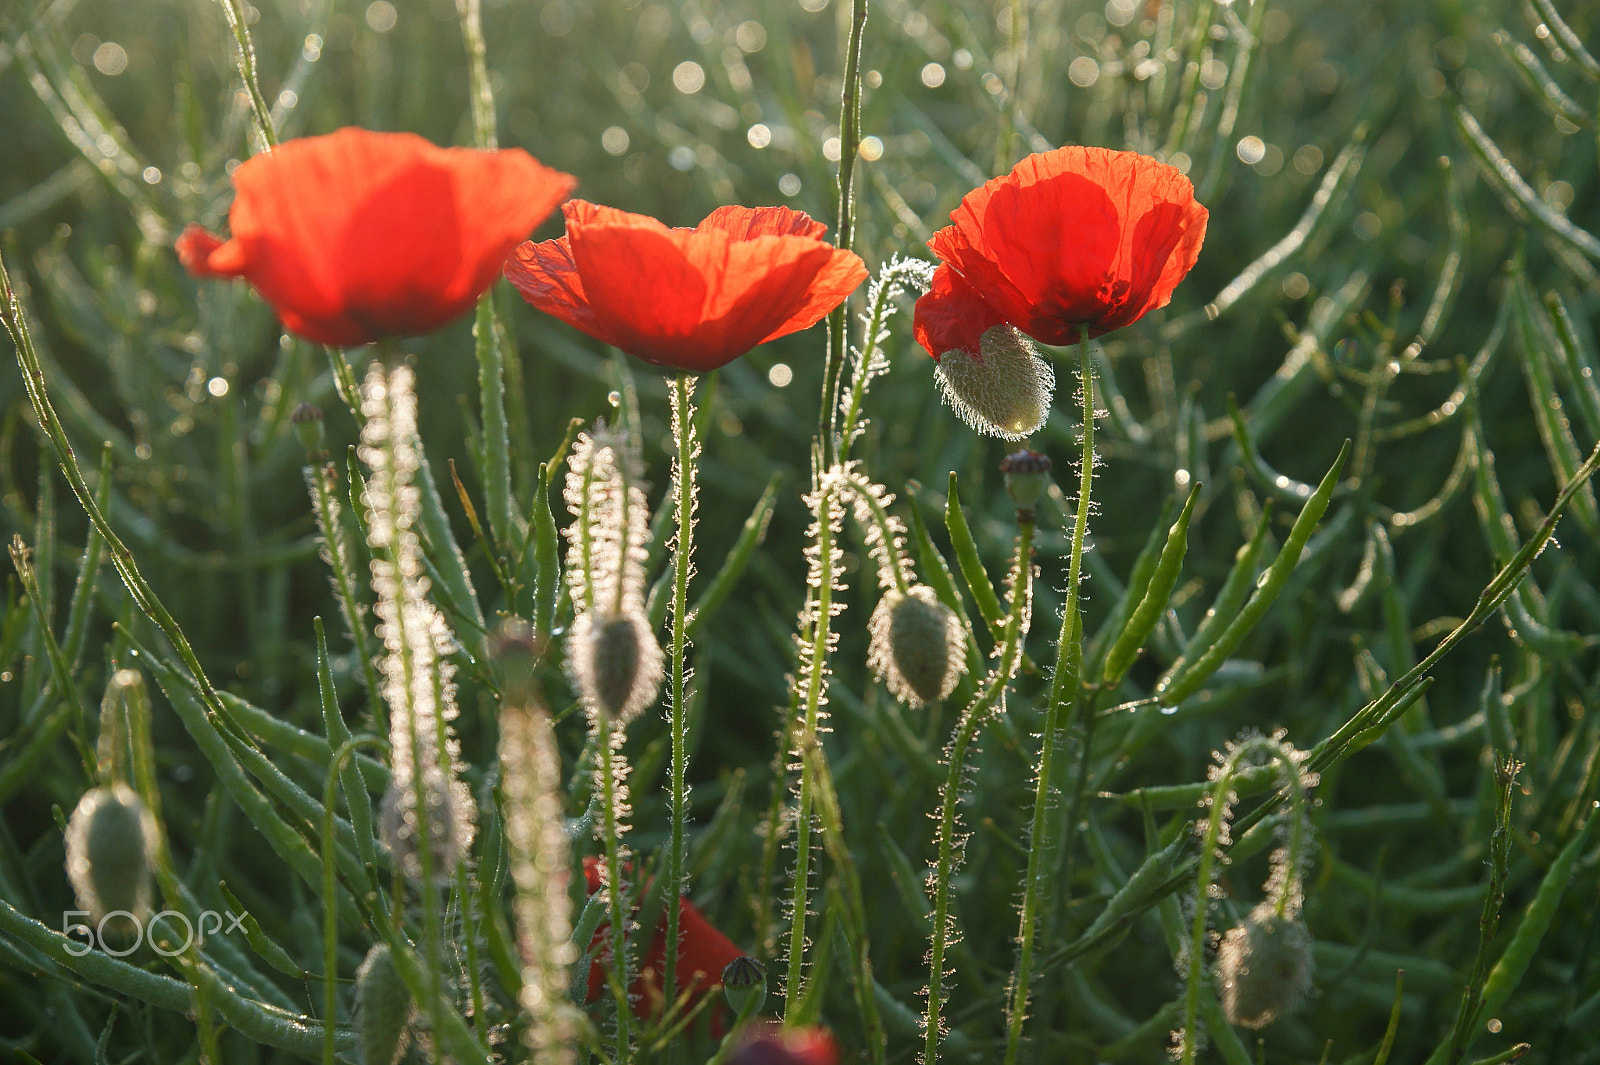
1403, 198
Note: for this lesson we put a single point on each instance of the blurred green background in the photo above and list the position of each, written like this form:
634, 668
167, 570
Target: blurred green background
1389, 186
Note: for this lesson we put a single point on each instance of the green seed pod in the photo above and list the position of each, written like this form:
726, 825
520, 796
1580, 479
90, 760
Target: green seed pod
744, 984
615, 663
916, 646
111, 839
383, 1008
1004, 390
1263, 968
1027, 475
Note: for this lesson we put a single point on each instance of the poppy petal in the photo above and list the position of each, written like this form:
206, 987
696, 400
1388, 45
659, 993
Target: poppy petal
952, 316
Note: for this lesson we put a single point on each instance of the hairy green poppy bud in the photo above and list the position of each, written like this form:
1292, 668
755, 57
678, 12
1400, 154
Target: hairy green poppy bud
615, 662
451, 825
917, 646
111, 839
1263, 968
1027, 475
383, 1008
1004, 390
744, 984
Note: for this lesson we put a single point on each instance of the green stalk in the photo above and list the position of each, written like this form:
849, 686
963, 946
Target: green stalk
246, 58
816, 669
617, 971
1064, 692
976, 715
845, 231
683, 433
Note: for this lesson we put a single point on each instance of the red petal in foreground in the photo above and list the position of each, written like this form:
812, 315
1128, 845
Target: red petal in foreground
703, 952
1071, 240
355, 236
688, 299
770, 1044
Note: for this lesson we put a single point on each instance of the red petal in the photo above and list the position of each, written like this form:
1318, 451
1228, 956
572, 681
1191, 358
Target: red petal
951, 316
358, 235
742, 223
1076, 238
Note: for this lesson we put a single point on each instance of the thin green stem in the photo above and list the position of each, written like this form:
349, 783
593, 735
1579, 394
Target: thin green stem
330, 914
815, 676
845, 231
1064, 695
483, 124
610, 735
322, 477
246, 58
973, 718
683, 434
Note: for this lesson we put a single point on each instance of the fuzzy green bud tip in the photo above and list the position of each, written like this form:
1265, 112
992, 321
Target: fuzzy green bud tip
744, 983
1027, 475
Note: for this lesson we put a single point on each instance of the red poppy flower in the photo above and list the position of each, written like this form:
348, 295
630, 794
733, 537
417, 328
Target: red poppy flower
703, 952
356, 235
691, 299
1077, 238
769, 1044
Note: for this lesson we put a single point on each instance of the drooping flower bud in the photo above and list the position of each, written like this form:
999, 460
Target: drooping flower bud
451, 823
615, 662
111, 839
1027, 475
744, 983
917, 646
1004, 390
1263, 967
383, 1008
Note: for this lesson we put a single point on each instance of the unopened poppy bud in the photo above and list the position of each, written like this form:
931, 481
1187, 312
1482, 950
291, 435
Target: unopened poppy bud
307, 422
1263, 968
1004, 390
111, 839
515, 650
383, 1008
451, 824
917, 646
615, 661
1027, 475
744, 983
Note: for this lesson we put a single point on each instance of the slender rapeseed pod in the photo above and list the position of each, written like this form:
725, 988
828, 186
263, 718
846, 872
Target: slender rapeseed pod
427, 806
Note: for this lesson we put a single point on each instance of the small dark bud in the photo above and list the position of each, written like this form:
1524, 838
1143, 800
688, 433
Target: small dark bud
1027, 475
744, 983
307, 422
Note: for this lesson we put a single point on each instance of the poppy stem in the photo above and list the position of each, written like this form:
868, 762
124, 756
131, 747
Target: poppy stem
977, 714
613, 789
844, 230
1065, 693
246, 56
683, 478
